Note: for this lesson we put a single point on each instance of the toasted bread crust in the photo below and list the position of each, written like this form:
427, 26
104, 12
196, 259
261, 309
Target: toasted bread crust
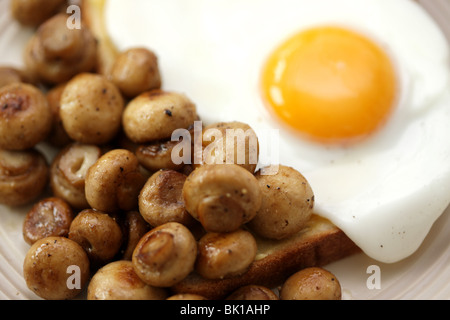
319, 244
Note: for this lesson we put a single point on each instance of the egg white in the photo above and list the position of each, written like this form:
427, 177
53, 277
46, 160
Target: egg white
384, 193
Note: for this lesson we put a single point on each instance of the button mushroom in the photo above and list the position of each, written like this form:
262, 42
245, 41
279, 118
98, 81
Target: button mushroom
157, 155
154, 115
98, 234
136, 71
287, 204
23, 176
68, 173
161, 200
48, 217
225, 255
25, 116
55, 53
56, 268
165, 255
118, 281
222, 197
311, 284
34, 12
9, 75
91, 109
114, 182
231, 142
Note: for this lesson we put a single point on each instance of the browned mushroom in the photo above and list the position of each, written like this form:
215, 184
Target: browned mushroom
34, 12
68, 173
58, 136
287, 204
97, 233
311, 284
23, 176
165, 255
136, 71
118, 281
222, 197
55, 53
154, 115
231, 142
48, 217
157, 155
9, 75
91, 109
134, 228
161, 199
114, 181
25, 116
225, 255
56, 268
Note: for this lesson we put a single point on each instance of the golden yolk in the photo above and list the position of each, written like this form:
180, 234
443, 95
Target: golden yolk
331, 84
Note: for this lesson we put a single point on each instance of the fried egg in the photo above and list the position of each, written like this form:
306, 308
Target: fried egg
358, 92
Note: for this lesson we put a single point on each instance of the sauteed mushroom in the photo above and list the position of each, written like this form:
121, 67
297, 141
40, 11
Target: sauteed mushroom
49, 264
136, 71
224, 255
114, 181
68, 172
25, 116
287, 204
222, 196
165, 255
134, 228
97, 233
9, 75
118, 281
161, 199
48, 217
23, 176
91, 109
154, 115
311, 284
55, 53
58, 136
34, 12
231, 142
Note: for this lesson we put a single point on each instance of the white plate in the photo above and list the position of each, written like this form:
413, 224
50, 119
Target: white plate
424, 275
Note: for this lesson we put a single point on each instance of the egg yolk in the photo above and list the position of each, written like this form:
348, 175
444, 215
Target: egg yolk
331, 84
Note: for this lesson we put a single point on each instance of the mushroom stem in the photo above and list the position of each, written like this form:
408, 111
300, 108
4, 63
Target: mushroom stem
157, 250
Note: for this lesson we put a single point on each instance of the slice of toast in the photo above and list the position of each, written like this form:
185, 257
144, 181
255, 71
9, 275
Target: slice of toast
318, 244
